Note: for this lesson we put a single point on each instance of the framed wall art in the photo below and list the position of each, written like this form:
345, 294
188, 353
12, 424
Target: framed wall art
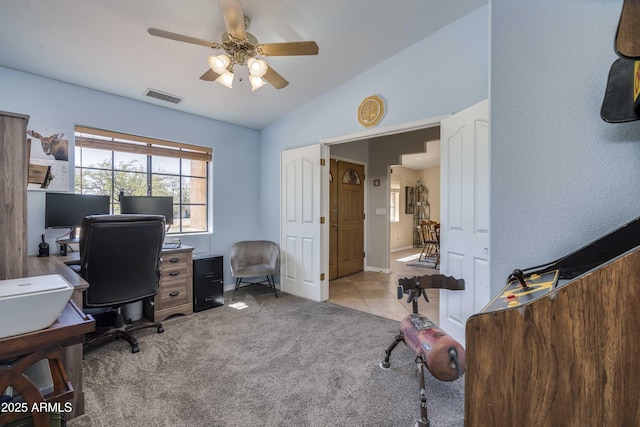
48, 160
409, 200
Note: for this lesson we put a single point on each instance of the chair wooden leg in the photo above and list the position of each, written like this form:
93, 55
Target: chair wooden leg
423, 253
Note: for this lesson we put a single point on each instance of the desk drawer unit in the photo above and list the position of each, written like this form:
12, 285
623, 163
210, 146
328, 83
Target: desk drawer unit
175, 294
207, 283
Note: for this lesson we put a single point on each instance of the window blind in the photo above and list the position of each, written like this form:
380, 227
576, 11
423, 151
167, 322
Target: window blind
115, 141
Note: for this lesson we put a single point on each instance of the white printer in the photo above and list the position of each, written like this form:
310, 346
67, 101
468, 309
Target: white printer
31, 303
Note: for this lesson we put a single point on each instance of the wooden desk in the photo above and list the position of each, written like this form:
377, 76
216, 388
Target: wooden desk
26, 349
41, 266
175, 290
71, 355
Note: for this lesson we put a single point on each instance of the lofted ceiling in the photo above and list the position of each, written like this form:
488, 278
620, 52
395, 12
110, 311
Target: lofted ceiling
104, 45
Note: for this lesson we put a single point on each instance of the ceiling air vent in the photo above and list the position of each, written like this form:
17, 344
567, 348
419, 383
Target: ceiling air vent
163, 96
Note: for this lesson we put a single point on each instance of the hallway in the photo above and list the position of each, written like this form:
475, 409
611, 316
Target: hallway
376, 293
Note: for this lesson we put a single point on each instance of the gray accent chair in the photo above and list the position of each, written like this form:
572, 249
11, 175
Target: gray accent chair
254, 258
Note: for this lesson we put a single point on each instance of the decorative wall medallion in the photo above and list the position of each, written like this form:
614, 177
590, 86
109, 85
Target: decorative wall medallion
371, 111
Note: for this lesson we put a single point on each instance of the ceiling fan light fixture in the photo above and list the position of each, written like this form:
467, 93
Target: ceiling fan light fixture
257, 67
219, 63
241, 48
256, 82
226, 79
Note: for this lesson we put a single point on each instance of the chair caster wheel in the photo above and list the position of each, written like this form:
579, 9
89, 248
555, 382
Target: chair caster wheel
135, 349
384, 365
160, 330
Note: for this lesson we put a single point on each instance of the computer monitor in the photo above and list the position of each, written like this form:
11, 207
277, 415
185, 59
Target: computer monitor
148, 205
66, 210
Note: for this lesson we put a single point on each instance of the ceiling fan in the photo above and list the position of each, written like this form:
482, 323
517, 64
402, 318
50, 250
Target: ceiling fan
242, 48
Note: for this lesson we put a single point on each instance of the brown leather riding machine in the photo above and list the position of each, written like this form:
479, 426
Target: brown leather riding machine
442, 355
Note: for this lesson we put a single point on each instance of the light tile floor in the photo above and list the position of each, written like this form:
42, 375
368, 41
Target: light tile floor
376, 293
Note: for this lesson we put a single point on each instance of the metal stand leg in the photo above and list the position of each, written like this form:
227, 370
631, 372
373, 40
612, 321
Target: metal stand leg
272, 283
238, 280
424, 418
387, 353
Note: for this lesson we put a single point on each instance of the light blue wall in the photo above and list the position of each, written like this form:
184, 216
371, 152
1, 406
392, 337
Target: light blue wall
60, 106
444, 73
560, 176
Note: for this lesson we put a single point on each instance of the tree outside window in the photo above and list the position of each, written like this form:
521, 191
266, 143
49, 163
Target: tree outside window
102, 169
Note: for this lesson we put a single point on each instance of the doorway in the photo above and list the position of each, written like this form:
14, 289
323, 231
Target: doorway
374, 290
305, 240
346, 218
421, 173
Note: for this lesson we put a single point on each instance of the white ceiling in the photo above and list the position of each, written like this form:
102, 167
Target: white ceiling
104, 45
425, 160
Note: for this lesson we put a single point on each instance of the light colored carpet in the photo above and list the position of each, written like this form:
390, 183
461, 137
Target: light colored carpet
279, 362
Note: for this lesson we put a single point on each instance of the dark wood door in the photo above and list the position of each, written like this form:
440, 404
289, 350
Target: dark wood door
350, 188
333, 219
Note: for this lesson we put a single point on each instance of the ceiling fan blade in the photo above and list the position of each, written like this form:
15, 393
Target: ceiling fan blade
179, 37
234, 18
209, 75
289, 49
275, 79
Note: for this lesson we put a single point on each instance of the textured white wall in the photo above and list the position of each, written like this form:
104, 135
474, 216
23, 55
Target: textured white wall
560, 176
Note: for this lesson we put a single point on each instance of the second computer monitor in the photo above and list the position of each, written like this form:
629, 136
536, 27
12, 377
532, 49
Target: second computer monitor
148, 205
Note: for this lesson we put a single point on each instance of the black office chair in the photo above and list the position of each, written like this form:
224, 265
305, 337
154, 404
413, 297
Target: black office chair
120, 258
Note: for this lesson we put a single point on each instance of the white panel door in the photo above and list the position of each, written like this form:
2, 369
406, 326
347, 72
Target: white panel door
464, 216
301, 239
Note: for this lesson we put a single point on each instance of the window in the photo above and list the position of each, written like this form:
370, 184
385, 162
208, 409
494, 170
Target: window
110, 163
351, 177
394, 205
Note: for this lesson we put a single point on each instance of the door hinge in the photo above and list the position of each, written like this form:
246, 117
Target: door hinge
322, 162
364, 254
364, 216
321, 220
321, 276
